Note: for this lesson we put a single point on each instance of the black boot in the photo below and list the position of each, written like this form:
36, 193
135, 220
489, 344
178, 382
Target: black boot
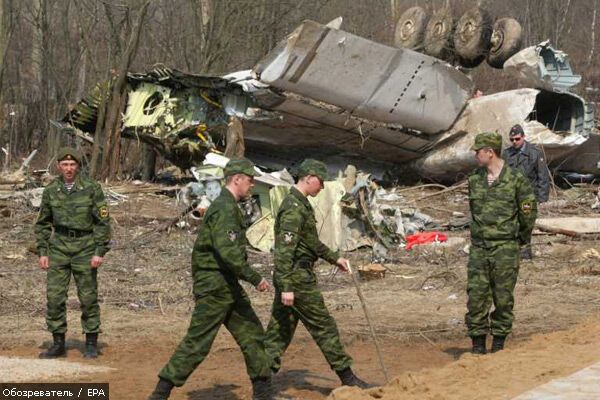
262, 389
91, 345
57, 349
349, 379
162, 391
479, 344
498, 343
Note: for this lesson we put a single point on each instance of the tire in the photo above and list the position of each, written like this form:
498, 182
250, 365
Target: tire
507, 39
472, 37
438, 34
410, 29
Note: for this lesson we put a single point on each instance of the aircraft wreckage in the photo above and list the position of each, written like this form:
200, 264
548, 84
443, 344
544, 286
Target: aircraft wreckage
329, 94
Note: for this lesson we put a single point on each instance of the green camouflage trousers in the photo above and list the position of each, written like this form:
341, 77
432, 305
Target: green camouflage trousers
67, 259
213, 310
309, 307
492, 276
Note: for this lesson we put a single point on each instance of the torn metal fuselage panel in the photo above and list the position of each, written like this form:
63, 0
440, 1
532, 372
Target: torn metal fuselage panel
367, 79
542, 67
452, 156
180, 115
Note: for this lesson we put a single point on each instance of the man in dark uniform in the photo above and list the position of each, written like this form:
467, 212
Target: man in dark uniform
219, 260
297, 297
74, 206
530, 161
503, 210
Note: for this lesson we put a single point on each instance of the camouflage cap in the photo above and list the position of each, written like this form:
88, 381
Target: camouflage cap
240, 166
68, 153
487, 139
313, 167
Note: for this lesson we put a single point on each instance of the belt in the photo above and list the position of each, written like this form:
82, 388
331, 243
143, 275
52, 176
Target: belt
304, 264
72, 233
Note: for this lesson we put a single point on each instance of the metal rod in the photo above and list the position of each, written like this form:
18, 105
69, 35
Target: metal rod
368, 317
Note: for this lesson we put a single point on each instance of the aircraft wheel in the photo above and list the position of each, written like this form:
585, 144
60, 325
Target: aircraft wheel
507, 39
472, 37
438, 33
410, 29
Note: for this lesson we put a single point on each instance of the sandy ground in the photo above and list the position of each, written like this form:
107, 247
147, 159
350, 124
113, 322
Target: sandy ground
495, 376
16, 369
418, 311
305, 375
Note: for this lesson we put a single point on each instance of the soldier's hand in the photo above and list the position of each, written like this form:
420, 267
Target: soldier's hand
263, 285
287, 298
96, 261
44, 262
342, 263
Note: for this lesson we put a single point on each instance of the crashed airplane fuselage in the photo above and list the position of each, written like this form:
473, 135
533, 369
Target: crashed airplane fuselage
329, 94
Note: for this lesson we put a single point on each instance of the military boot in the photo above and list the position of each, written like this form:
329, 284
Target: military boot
262, 389
498, 343
91, 345
349, 379
58, 347
479, 344
162, 390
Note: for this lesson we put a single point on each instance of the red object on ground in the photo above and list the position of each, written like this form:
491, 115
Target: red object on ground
424, 237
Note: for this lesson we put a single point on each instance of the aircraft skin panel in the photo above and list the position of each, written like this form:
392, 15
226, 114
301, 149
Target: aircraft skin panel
369, 79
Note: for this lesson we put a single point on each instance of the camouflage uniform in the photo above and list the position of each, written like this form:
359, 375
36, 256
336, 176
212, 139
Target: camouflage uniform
81, 230
503, 216
218, 261
297, 247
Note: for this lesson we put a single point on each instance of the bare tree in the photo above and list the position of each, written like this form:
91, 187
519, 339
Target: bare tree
112, 127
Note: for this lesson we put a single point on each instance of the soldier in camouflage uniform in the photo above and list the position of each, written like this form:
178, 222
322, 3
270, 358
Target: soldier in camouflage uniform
297, 297
218, 261
74, 206
503, 209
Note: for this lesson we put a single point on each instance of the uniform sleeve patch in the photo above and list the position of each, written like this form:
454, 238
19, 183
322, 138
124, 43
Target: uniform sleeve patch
288, 238
232, 235
526, 207
103, 212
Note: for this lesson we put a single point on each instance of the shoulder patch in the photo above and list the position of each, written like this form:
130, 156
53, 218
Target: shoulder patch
103, 212
232, 235
288, 238
527, 206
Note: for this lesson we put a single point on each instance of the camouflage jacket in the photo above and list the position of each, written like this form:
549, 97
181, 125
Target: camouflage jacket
219, 256
504, 211
296, 240
81, 210
530, 161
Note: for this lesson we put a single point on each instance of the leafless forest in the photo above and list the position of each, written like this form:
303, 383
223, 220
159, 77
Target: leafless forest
53, 51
